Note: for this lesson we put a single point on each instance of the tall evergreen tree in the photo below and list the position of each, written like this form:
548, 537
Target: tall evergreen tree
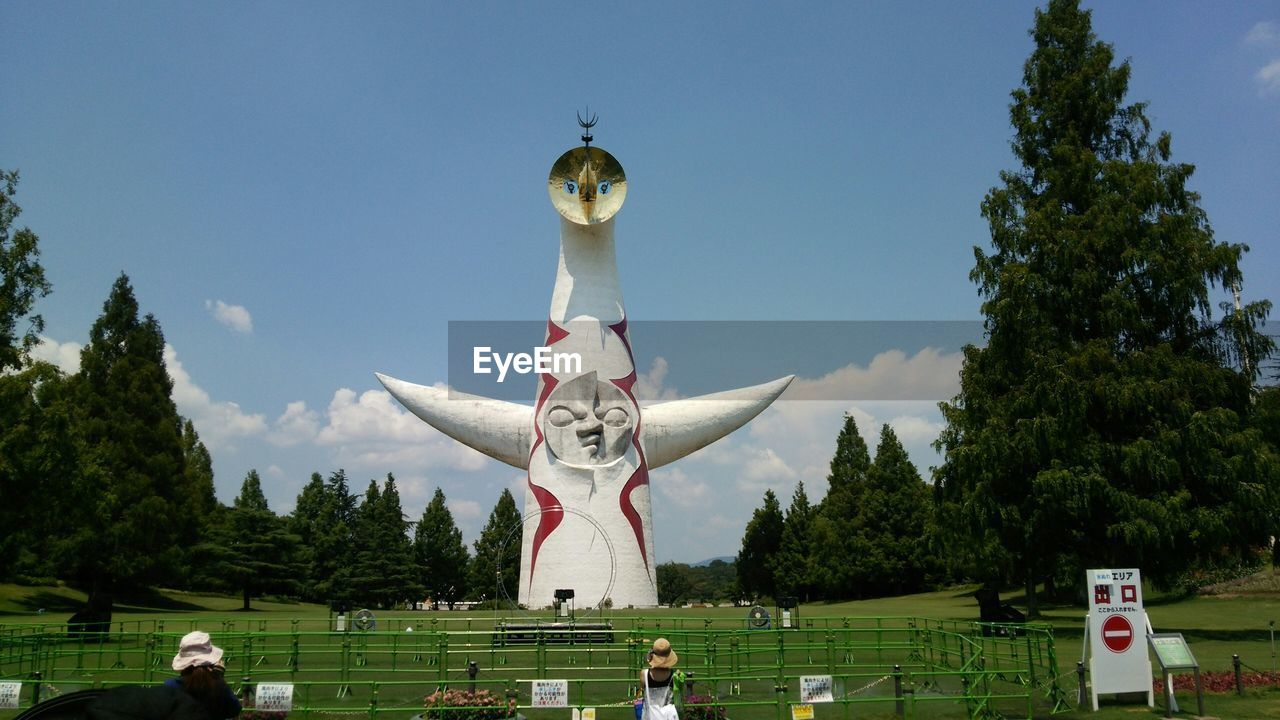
792, 565
760, 544
22, 280
307, 521
894, 523
440, 553
1103, 423
384, 573
834, 536
249, 549
195, 496
333, 543
127, 526
495, 568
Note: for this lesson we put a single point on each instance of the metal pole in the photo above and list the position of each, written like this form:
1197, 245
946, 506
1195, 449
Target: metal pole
472, 671
1235, 664
1272, 625
1080, 679
899, 707
35, 688
1199, 694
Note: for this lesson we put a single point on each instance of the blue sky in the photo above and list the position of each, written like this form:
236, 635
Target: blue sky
306, 193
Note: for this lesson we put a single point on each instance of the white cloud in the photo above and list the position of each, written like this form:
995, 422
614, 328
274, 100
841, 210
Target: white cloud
891, 375
649, 386
235, 317
371, 431
275, 471
217, 422
1263, 34
677, 487
1269, 78
465, 509
295, 426
66, 356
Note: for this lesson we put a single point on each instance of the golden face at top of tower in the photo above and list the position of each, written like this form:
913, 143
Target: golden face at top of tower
587, 185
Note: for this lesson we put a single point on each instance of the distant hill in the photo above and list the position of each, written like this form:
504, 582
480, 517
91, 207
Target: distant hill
705, 563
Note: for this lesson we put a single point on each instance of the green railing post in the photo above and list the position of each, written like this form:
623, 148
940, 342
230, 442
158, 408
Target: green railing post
148, 660
373, 702
442, 655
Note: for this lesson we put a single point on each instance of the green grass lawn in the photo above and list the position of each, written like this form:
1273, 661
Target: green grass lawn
1217, 627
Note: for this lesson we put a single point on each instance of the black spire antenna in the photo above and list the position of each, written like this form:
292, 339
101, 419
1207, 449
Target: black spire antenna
586, 125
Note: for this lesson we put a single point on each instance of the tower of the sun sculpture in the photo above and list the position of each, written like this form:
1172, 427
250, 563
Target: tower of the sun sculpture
587, 443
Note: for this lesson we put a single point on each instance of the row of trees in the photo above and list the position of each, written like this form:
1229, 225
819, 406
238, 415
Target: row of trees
350, 551
872, 534
105, 486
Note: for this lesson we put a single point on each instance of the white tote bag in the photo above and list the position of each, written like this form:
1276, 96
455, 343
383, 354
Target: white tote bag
659, 712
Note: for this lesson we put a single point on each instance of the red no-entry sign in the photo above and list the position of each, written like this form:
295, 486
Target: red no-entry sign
1117, 633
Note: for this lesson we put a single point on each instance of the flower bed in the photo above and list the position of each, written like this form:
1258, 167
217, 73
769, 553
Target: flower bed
1219, 681
464, 705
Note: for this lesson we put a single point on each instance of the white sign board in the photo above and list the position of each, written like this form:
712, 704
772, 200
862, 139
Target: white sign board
815, 689
9, 694
273, 697
1118, 661
550, 693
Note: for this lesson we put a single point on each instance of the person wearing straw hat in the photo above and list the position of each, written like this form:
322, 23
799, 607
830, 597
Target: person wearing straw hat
659, 682
200, 663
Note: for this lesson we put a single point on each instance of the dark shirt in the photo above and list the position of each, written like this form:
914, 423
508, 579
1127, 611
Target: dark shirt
136, 702
226, 704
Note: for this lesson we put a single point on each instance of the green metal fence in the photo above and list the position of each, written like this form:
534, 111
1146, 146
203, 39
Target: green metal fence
880, 666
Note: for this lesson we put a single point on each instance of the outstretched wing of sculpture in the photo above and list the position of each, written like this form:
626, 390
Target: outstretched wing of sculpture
496, 428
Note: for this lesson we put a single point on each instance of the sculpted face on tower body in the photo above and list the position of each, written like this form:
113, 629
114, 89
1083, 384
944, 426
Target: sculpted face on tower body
587, 444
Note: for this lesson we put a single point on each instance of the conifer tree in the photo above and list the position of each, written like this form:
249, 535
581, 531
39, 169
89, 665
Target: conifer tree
1105, 423
894, 523
440, 553
385, 574
249, 549
834, 536
760, 544
792, 563
495, 568
126, 529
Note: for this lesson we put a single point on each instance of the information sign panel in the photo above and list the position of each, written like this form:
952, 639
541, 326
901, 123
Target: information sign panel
10, 693
801, 712
1118, 661
1172, 651
815, 689
273, 697
550, 693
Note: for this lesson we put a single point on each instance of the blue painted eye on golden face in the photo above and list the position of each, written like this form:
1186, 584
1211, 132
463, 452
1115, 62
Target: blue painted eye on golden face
604, 187
571, 187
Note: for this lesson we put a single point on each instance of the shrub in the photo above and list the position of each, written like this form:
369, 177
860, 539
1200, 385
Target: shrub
463, 705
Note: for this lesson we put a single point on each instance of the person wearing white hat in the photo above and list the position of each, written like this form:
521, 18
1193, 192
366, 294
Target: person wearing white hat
200, 663
659, 682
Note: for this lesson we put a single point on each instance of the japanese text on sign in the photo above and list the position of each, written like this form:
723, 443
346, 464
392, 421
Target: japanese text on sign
550, 693
274, 697
9, 694
815, 689
801, 712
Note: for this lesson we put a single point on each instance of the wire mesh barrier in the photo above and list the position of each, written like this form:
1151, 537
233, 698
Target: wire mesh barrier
880, 666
